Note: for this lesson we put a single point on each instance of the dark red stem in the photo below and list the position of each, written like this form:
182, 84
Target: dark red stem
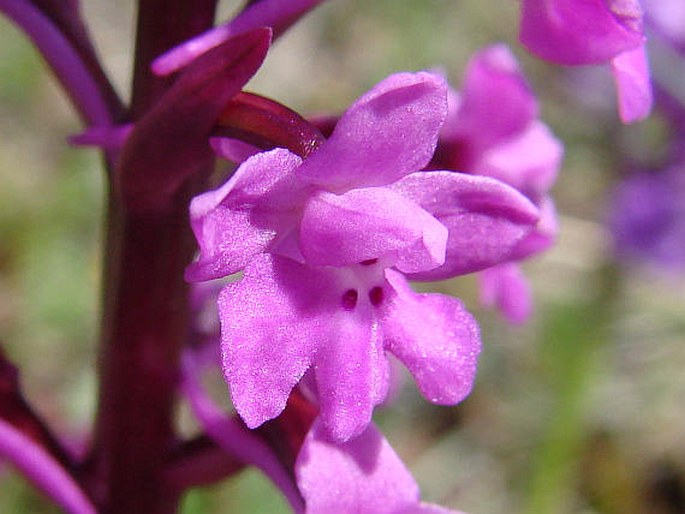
145, 310
163, 24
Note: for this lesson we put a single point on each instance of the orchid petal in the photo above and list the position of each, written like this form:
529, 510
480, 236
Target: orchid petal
232, 436
436, 338
633, 84
529, 162
493, 80
243, 217
232, 149
587, 32
389, 132
486, 218
351, 374
271, 324
542, 236
363, 224
363, 475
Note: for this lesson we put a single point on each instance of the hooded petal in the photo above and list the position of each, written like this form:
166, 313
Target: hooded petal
389, 132
363, 224
587, 32
243, 217
435, 338
493, 80
272, 322
633, 84
485, 218
361, 476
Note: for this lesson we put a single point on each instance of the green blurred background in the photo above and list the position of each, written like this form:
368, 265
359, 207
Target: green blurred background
579, 411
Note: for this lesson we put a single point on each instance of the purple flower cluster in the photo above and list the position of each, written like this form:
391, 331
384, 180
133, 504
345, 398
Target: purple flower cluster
648, 218
321, 238
326, 245
493, 129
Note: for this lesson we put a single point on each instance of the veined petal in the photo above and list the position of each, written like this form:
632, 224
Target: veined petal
363, 224
351, 374
271, 324
243, 217
587, 32
389, 132
633, 84
435, 338
485, 218
361, 476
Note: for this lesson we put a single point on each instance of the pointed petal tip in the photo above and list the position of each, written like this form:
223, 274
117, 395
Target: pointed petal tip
633, 85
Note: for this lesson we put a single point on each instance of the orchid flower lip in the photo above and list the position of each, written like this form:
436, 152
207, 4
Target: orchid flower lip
325, 242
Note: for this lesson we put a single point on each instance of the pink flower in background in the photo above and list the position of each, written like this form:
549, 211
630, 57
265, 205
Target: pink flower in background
325, 242
578, 32
493, 129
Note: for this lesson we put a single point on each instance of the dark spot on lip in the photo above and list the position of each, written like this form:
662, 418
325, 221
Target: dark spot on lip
369, 262
349, 299
376, 296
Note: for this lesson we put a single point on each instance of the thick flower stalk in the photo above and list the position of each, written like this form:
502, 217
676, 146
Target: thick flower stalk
493, 129
325, 244
582, 32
